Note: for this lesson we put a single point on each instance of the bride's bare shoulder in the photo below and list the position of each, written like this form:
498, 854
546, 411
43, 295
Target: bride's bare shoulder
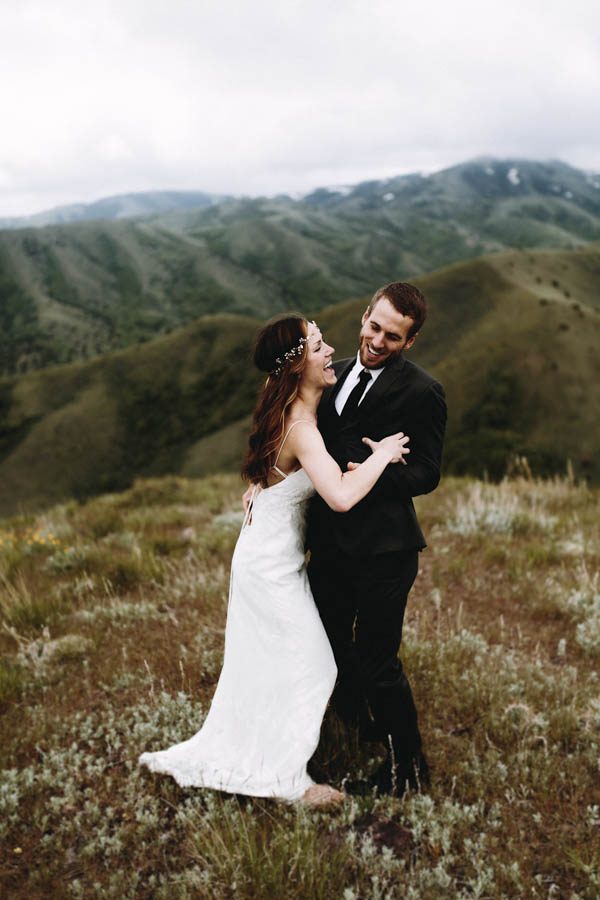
295, 420
306, 424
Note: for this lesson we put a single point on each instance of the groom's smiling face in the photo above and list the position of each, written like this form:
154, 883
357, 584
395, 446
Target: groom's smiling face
384, 335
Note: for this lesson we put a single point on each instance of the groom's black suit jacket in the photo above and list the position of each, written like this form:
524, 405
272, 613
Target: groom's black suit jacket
403, 398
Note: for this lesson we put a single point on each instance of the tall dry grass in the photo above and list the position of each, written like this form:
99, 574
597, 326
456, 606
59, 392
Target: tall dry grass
111, 643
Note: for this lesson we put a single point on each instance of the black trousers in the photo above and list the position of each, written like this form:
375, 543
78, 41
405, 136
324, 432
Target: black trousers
361, 604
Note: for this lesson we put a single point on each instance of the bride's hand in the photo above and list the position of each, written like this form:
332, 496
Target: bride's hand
393, 443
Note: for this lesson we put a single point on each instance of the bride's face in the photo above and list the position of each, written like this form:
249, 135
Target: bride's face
318, 371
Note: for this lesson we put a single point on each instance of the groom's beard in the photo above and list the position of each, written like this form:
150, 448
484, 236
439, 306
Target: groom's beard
380, 364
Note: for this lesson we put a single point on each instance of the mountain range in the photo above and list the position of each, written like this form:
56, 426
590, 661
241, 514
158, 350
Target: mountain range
72, 291
121, 206
513, 336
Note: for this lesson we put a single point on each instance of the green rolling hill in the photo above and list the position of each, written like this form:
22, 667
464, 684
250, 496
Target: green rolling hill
69, 292
513, 337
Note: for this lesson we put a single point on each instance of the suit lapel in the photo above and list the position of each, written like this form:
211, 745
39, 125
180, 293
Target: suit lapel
383, 383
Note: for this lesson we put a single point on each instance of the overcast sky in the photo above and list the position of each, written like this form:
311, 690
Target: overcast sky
261, 96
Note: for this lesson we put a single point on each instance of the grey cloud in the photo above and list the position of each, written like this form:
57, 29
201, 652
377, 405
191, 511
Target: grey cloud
265, 96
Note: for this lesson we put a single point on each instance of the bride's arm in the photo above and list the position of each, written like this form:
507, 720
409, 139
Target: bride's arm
342, 490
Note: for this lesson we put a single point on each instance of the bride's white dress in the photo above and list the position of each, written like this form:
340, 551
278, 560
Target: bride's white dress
278, 670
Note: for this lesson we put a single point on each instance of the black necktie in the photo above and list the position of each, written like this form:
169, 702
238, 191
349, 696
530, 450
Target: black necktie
351, 404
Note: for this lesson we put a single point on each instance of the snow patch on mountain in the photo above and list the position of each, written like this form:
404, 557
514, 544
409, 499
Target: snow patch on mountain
342, 189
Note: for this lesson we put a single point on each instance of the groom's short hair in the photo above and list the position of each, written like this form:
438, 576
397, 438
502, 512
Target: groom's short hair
406, 299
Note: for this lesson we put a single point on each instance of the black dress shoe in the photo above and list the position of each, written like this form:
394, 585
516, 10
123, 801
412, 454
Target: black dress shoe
410, 774
413, 775
359, 787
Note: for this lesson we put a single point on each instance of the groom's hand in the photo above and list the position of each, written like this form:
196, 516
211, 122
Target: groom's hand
352, 466
397, 442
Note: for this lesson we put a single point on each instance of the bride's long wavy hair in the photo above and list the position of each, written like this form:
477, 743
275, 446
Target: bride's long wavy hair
278, 337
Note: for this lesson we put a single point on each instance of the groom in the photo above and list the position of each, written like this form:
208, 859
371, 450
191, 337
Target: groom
364, 562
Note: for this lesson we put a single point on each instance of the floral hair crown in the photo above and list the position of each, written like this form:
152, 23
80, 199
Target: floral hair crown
298, 350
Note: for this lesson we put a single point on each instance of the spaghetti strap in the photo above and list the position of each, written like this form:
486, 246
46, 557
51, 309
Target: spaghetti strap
248, 513
297, 422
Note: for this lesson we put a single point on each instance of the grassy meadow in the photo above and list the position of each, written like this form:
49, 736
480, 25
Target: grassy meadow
112, 614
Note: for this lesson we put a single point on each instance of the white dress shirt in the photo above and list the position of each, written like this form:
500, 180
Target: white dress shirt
351, 382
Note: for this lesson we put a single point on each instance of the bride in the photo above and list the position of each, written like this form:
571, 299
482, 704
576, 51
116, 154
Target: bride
278, 670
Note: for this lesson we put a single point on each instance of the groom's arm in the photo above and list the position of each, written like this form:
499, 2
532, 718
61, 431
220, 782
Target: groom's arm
425, 427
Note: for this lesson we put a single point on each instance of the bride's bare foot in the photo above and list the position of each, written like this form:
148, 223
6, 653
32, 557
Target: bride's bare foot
321, 795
